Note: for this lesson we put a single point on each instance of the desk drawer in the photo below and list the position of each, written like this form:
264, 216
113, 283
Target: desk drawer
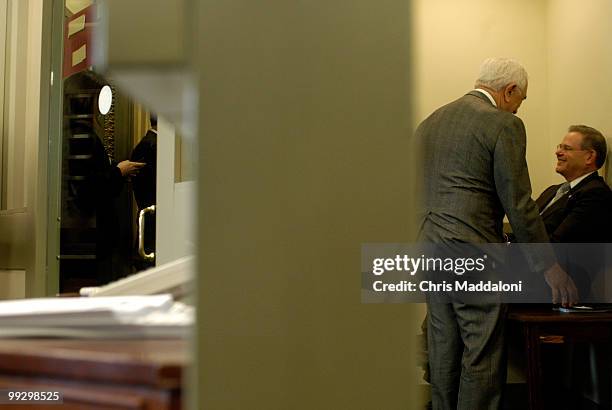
578, 332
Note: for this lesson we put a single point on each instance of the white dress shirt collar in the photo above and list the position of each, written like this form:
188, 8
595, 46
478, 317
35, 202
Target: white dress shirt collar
577, 180
488, 95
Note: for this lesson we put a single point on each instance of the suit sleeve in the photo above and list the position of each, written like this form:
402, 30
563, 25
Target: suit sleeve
105, 177
514, 191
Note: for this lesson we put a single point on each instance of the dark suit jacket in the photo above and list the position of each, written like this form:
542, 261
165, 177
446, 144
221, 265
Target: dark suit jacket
474, 172
97, 195
583, 215
145, 181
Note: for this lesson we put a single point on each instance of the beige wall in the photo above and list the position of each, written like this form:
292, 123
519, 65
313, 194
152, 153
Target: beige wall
13, 284
453, 37
580, 61
564, 44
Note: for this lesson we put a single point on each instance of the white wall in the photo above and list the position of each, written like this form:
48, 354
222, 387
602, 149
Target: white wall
176, 202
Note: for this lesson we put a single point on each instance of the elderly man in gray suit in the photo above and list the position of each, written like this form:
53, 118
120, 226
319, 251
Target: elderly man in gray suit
475, 172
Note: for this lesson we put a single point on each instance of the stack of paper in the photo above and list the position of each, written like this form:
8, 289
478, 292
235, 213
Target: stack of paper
584, 309
174, 277
156, 316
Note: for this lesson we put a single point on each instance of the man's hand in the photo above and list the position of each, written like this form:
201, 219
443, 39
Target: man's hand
563, 289
129, 167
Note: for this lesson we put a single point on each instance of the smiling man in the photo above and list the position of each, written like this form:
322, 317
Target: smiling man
579, 210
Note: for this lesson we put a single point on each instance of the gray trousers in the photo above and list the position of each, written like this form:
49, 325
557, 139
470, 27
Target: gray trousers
467, 358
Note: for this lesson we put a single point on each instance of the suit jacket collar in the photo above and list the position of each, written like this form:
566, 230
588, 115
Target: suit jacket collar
548, 196
562, 202
585, 181
481, 96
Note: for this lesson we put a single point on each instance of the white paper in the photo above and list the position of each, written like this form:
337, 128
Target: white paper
101, 317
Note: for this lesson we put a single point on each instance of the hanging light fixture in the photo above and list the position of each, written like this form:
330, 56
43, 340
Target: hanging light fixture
105, 99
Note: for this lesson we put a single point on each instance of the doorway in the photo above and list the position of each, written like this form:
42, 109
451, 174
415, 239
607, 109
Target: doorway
98, 234
93, 229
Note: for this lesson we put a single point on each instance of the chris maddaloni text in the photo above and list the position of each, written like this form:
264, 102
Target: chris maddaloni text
456, 286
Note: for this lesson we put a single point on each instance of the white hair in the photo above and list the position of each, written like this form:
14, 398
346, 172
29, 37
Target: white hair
498, 72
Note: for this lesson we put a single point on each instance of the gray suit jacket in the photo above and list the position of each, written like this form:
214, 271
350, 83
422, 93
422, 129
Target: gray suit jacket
474, 172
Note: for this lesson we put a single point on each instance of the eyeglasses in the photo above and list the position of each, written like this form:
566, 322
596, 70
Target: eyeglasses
565, 147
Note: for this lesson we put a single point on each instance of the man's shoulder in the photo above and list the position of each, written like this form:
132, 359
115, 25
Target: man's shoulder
478, 104
471, 115
594, 184
469, 105
150, 137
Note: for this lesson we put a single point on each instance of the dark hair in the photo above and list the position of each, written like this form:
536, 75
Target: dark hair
592, 139
153, 118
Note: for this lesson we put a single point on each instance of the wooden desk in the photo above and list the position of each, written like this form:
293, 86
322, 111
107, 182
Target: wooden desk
97, 374
540, 325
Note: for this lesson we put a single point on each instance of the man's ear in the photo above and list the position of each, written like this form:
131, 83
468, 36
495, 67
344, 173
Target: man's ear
509, 90
591, 157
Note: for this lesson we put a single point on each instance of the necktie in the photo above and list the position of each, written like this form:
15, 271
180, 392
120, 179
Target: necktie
563, 189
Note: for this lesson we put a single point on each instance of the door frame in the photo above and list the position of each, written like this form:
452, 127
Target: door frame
55, 25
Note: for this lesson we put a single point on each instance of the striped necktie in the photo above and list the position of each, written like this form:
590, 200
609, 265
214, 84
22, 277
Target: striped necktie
563, 189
